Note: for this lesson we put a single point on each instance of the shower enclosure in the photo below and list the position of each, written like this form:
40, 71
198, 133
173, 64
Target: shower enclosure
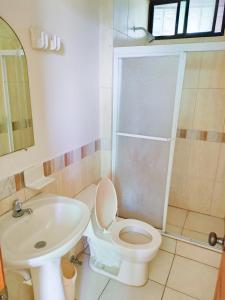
147, 95
149, 99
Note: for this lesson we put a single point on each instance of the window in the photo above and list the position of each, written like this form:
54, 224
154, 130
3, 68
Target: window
186, 18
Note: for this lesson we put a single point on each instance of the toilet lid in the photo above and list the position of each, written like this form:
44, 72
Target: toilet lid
106, 203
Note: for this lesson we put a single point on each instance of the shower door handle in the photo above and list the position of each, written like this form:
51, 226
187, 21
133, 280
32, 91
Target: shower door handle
213, 240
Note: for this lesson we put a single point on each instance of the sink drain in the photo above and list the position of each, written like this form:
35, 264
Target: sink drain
40, 244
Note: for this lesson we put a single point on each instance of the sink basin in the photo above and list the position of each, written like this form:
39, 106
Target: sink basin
39, 240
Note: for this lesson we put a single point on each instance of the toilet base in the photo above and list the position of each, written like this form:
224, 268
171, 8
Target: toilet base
130, 273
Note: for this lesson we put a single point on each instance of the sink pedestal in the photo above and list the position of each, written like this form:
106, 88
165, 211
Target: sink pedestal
47, 281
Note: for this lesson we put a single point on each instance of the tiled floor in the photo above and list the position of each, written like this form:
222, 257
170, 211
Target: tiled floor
193, 225
173, 276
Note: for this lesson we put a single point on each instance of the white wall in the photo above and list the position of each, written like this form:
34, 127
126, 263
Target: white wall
127, 14
64, 88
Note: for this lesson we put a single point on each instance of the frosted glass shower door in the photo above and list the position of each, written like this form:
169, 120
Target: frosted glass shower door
145, 120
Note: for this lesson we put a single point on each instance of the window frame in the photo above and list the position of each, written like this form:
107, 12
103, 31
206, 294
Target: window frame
184, 34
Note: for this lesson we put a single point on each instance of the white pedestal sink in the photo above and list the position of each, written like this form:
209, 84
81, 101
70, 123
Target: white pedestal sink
38, 241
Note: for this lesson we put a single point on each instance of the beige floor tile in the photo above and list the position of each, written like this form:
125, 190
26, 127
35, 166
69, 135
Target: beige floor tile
119, 291
176, 216
204, 224
160, 267
193, 278
89, 285
168, 244
173, 229
195, 236
199, 254
170, 294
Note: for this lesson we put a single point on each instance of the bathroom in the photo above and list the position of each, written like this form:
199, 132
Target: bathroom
69, 130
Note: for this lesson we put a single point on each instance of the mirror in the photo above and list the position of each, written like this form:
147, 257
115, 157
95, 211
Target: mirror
16, 127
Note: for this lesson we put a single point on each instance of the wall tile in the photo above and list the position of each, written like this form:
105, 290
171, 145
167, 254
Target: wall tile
210, 110
218, 200
191, 193
7, 187
192, 70
176, 216
178, 192
187, 108
7, 203
220, 175
199, 193
173, 229
203, 223
203, 160
181, 157
212, 70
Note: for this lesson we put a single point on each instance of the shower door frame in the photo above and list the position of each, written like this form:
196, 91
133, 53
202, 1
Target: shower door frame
180, 50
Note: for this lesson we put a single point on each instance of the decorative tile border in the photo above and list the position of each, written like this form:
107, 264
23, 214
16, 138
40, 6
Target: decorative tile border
15, 183
201, 135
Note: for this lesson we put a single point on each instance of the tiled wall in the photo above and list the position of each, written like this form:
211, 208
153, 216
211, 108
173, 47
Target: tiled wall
72, 171
198, 181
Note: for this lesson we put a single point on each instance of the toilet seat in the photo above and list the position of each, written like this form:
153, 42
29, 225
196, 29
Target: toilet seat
138, 227
105, 215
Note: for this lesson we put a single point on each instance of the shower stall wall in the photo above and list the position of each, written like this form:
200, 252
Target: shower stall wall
147, 92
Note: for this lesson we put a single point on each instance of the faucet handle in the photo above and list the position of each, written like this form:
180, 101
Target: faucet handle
17, 205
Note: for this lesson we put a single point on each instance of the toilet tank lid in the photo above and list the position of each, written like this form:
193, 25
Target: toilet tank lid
106, 203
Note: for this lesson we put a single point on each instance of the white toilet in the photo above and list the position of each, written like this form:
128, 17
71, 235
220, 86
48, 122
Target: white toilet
120, 248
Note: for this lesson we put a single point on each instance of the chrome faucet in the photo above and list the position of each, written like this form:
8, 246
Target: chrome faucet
18, 211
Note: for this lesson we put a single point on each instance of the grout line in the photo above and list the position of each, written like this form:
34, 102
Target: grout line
196, 261
180, 255
103, 289
196, 212
168, 274
183, 293
183, 227
169, 271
